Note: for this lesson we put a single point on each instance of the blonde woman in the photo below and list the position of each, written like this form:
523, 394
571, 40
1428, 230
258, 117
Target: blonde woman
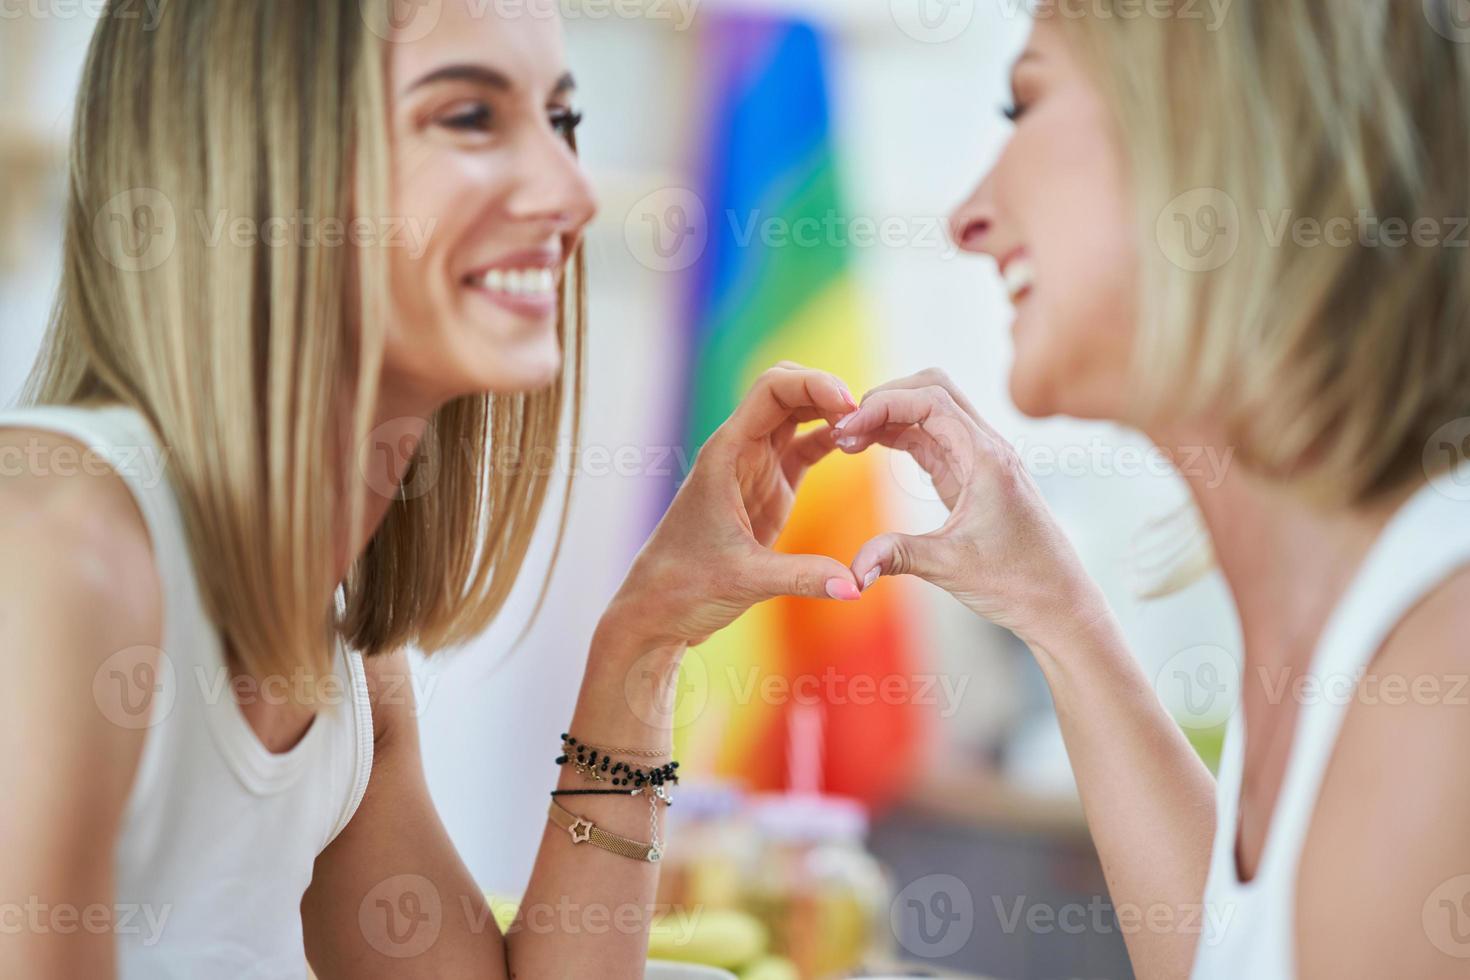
1337, 367
317, 323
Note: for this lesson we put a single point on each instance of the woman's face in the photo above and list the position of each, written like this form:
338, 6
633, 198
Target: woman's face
491, 194
1055, 215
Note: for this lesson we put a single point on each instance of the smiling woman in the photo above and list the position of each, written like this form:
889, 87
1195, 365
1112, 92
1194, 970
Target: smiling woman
209, 663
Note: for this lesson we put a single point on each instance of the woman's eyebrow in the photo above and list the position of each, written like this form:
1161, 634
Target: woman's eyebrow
484, 75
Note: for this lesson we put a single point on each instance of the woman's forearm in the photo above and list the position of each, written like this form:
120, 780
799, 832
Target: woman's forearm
1150, 801
586, 911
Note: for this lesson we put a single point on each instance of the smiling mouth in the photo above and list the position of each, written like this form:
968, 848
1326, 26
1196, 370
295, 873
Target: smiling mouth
1019, 277
531, 291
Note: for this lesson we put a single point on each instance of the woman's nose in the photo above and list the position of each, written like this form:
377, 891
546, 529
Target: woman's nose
554, 187
972, 225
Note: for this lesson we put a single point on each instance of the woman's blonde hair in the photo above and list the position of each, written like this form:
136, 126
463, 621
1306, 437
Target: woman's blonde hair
246, 353
1270, 145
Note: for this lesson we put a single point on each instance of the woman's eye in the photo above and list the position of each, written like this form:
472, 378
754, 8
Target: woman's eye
565, 121
1014, 111
475, 118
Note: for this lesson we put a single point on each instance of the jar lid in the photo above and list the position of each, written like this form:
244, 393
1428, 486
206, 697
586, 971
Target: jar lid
809, 817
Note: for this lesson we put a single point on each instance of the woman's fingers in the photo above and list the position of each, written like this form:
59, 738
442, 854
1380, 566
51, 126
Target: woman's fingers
771, 574
805, 451
927, 418
783, 394
897, 554
936, 378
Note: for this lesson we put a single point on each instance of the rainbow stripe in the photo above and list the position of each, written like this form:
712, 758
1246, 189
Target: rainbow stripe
775, 283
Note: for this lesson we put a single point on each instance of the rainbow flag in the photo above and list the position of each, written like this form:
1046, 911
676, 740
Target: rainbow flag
775, 283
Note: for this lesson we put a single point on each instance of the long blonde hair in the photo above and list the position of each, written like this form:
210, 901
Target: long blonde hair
234, 350
1333, 363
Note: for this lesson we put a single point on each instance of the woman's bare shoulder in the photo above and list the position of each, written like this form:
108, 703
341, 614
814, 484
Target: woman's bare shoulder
74, 540
1387, 840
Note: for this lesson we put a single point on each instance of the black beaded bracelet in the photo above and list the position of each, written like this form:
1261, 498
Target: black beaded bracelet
599, 765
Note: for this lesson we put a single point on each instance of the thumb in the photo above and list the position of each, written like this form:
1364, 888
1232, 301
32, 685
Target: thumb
813, 576
896, 554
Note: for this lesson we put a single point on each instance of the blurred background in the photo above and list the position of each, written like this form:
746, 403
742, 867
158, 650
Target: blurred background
883, 786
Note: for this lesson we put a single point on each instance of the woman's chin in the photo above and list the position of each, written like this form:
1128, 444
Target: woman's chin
1030, 393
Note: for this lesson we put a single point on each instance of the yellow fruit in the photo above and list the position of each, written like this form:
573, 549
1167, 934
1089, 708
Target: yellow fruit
712, 937
770, 968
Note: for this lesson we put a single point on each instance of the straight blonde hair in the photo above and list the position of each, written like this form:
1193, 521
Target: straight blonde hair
1334, 359
245, 355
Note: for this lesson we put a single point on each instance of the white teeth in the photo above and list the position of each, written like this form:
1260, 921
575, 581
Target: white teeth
536, 283
1019, 277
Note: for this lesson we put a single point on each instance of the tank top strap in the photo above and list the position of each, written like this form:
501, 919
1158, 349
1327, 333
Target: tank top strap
1424, 543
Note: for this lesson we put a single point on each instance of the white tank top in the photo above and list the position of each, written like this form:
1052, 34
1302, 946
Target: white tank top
219, 835
1254, 923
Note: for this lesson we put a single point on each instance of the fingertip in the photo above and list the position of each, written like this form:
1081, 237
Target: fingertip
873, 575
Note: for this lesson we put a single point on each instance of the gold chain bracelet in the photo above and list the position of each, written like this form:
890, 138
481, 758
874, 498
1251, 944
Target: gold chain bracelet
584, 831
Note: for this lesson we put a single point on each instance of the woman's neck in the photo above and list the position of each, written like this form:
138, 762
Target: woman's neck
378, 467
1286, 562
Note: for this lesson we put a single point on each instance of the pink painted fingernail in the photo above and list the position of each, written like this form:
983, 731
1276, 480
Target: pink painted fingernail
842, 589
871, 577
847, 397
847, 442
842, 422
